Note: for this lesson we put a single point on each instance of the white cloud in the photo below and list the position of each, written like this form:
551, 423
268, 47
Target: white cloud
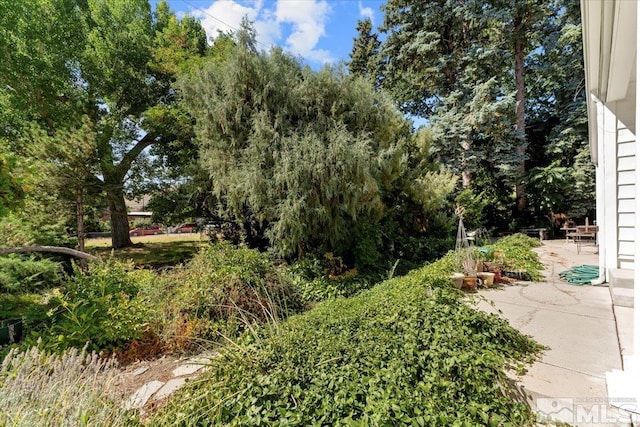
306, 20
365, 12
225, 16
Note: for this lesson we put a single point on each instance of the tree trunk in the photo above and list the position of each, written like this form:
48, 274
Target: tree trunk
80, 224
466, 172
521, 148
119, 220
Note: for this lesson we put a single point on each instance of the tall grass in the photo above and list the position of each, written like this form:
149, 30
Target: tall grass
75, 388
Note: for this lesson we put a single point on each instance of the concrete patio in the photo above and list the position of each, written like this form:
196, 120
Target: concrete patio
585, 333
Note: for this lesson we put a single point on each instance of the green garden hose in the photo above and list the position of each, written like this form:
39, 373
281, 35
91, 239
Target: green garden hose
581, 275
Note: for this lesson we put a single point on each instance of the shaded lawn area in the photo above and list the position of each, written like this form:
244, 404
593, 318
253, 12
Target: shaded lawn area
152, 251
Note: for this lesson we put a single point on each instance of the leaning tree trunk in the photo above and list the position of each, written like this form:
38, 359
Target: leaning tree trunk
119, 220
80, 223
521, 200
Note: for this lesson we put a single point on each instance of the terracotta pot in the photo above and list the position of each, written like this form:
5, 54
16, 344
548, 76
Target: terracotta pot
470, 284
497, 277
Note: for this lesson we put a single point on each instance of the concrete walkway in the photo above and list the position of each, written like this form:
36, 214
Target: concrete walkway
578, 325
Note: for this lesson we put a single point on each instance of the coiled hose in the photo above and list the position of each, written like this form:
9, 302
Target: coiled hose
581, 275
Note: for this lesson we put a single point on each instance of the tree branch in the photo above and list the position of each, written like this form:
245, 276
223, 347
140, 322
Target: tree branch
52, 249
131, 155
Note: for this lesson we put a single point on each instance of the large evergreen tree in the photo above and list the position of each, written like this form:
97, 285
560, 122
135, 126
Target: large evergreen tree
486, 75
561, 178
302, 159
365, 54
446, 62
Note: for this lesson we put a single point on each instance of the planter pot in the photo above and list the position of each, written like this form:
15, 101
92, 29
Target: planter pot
457, 279
10, 331
492, 266
470, 284
497, 276
487, 278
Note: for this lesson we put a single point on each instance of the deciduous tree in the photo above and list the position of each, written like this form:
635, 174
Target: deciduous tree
102, 59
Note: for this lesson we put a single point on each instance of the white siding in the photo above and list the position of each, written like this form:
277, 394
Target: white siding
626, 206
627, 191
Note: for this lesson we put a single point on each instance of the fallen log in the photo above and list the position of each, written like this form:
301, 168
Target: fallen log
52, 249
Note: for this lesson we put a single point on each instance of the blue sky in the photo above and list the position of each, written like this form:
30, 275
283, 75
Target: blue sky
320, 31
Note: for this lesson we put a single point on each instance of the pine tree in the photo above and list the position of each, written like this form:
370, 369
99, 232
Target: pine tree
365, 60
441, 57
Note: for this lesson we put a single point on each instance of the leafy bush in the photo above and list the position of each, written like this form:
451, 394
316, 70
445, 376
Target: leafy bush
318, 280
74, 388
474, 206
19, 305
515, 253
18, 275
98, 307
222, 290
408, 351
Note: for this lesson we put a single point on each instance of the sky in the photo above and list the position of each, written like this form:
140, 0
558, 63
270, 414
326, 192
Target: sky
319, 31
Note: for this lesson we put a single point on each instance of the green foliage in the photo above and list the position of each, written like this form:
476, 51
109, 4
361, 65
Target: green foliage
453, 64
103, 65
317, 280
24, 305
11, 191
24, 275
222, 291
515, 253
409, 351
304, 158
474, 206
38, 222
365, 60
97, 308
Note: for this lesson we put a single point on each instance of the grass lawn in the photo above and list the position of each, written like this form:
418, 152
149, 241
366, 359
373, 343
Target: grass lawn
152, 251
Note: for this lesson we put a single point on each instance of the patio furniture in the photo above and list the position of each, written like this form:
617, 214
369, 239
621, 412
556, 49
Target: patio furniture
585, 235
535, 232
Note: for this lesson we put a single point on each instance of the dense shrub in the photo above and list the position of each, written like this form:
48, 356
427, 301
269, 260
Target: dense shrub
515, 253
408, 351
317, 279
97, 307
19, 274
222, 290
75, 388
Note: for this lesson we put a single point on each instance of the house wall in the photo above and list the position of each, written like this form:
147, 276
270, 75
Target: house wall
626, 187
616, 173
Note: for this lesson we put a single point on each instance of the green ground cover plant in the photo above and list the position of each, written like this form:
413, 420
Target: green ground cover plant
410, 351
516, 254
